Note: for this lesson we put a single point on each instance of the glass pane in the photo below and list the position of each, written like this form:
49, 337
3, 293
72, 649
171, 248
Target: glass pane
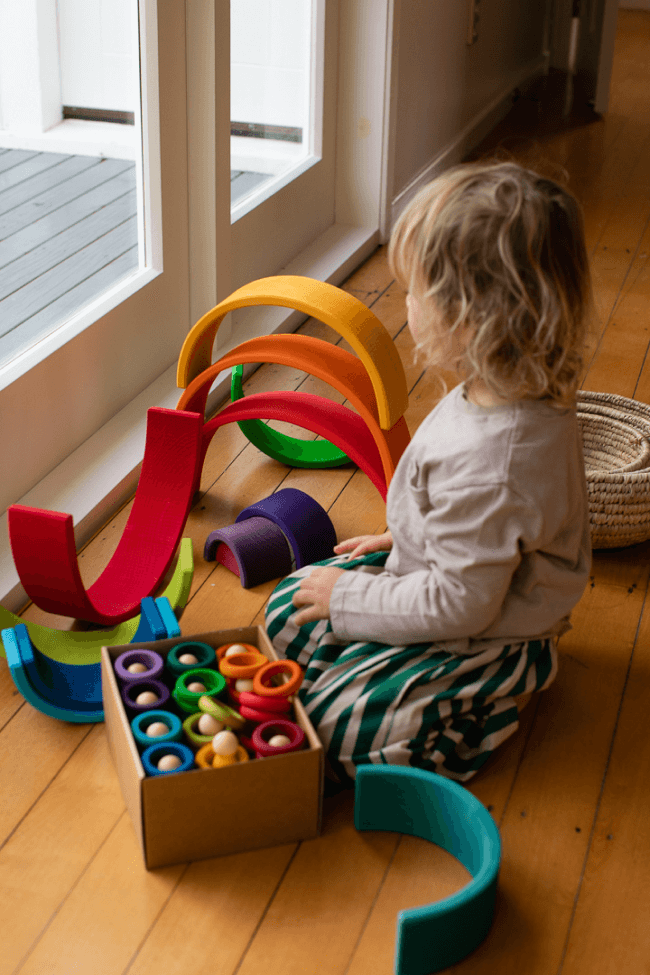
70, 162
275, 83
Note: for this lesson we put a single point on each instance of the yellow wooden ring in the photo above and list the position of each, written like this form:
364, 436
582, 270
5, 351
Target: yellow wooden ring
222, 761
204, 756
345, 314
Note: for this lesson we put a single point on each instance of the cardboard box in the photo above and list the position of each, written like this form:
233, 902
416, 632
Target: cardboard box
209, 812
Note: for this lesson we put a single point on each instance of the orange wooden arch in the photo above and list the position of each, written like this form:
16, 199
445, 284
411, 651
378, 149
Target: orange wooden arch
335, 366
344, 313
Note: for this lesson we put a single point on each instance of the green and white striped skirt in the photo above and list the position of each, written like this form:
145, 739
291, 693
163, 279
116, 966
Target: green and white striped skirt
417, 704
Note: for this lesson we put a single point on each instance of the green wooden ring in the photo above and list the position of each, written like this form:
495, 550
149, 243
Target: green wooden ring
213, 681
222, 712
195, 739
287, 450
203, 652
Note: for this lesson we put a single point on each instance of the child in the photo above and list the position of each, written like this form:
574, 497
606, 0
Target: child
423, 656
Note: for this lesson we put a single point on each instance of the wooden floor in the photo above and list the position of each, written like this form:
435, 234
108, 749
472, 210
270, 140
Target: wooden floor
68, 232
570, 791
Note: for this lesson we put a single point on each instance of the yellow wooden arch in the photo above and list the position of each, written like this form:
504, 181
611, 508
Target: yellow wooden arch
345, 314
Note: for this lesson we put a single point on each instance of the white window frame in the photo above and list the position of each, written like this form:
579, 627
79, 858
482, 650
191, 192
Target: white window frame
102, 471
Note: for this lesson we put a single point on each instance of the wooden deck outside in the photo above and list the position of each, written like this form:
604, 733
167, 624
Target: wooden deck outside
68, 232
570, 791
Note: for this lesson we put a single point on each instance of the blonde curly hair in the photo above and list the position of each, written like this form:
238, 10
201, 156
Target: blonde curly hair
496, 253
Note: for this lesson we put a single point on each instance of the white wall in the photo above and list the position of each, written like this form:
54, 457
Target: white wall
449, 93
96, 48
269, 58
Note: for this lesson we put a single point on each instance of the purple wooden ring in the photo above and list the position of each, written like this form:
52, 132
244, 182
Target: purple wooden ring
305, 524
151, 660
131, 690
260, 551
281, 726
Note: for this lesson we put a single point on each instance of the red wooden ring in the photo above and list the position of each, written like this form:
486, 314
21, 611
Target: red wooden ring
242, 664
278, 667
257, 717
289, 728
278, 705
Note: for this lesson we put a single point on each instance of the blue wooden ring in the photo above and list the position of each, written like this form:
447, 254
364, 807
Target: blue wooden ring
142, 721
414, 801
259, 549
152, 755
305, 524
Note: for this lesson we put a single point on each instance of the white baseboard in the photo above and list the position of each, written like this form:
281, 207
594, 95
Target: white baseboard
78, 137
469, 137
102, 474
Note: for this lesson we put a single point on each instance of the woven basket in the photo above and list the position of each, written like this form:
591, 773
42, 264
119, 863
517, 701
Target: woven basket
616, 442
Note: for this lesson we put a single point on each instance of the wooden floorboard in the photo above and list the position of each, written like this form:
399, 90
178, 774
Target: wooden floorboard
570, 791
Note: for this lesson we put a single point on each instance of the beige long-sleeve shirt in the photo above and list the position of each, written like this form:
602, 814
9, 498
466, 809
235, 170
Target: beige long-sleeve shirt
489, 514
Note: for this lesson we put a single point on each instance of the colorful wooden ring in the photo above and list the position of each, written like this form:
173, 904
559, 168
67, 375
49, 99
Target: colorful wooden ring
205, 757
203, 652
257, 717
222, 761
152, 755
242, 665
213, 682
278, 705
261, 735
221, 712
302, 520
289, 667
131, 691
255, 550
141, 722
224, 648
195, 738
151, 660
294, 451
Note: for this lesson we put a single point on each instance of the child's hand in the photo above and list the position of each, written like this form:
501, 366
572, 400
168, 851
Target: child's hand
315, 593
363, 544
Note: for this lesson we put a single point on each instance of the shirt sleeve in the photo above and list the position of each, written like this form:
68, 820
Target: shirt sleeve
472, 544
